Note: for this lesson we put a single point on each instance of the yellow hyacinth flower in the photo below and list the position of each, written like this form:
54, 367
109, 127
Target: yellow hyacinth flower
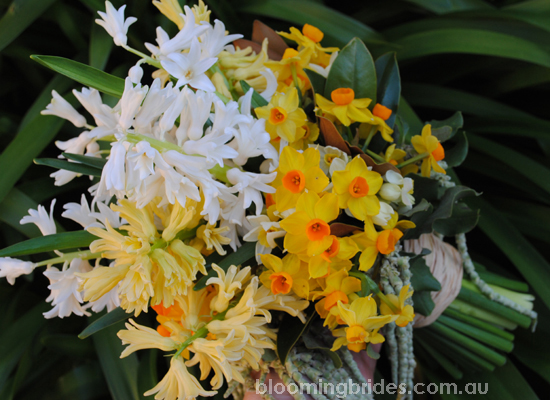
356, 188
307, 228
286, 275
172, 10
363, 324
345, 107
296, 173
284, 117
371, 243
404, 313
429, 145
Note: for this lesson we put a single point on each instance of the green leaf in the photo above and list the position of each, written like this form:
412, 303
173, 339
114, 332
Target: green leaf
29, 142
408, 115
147, 372
337, 27
19, 15
372, 353
69, 345
353, 68
84, 382
14, 207
313, 344
462, 220
243, 255
456, 155
421, 277
111, 318
293, 330
388, 86
530, 263
101, 44
69, 166
43, 244
423, 303
447, 128
95, 162
318, 82
84, 74
425, 189
120, 373
471, 41
257, 99
444, 7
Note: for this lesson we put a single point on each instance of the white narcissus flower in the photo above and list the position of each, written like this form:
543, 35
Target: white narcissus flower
390, 192
64, 285
11, 268
114, 23
41, 219
63, 109
324, 71
263, 232
189, 69
250, 186
383, 217
332, 159
397, 188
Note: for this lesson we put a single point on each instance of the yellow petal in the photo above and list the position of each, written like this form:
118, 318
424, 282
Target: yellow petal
295, 223
327, 207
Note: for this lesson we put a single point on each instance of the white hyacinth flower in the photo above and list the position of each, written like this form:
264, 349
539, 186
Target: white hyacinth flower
41, 219
130, 102
11, 268
214, 39
114, 23
63, 109
80, 213
190, 69
65, 296
136, 73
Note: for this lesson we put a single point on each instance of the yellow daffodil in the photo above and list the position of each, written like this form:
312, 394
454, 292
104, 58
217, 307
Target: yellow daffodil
397, 156
310, 136
428, 144
307, 228
296, 173
371, 243
311, 37
356, 188
335, 257
284, 117
401, 225
380, 114
345, 107
293, 61
286, 275
363, 324
404, 313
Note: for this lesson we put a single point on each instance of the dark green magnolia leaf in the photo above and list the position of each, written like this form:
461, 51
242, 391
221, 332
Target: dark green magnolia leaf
313, 344
425, 188
423, 303
257, 99
19, 15
292, 331
422, 206
462, 220
447, 128
244, 254
43, 244
455, 155
95, 162
421, 276
354, 69
414, 123
318, 82
114, 317
69, 166
120, 373
84, 74
419, 218
388, 88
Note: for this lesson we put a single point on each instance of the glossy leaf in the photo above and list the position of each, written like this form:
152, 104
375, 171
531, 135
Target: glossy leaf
43, 244
69, 166
447, 128
101, 44
257, 99
458, 151
293, 330
14, 207
318, 82
353, 68
313, 344
95, 162
84, 74
111, 318
388, 86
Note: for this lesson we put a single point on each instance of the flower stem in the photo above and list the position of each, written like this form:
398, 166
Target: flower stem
83, 255
372, 132
375, 156
202, 332
413, 160
385, 299
148, 60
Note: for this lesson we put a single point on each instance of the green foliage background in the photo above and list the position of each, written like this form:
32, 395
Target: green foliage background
488, 59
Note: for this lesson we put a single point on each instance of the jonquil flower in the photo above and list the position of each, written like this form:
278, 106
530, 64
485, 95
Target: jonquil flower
307, 229
372, 242
345, 106
356, 188
404, 313
380, 115
285, 275
426, 143
296, 173
284, 117
337, 287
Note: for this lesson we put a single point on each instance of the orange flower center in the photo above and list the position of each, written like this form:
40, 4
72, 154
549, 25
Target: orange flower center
342, 96
357, 347
163, 331
211, 336
393, 162
381, 111
269, 200
439, 152
387, 240
333, 250
359, 187
356, 333
332, 299
281, 282
277, 116
317, 229
313, 33
294, 181
289, 53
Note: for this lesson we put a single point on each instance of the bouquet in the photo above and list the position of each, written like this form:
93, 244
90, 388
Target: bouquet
268, 202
